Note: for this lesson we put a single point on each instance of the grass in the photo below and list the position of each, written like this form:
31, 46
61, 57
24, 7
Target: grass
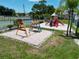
58, 46
64, 21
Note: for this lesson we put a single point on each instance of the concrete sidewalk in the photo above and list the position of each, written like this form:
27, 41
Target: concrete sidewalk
35, 39
76, 41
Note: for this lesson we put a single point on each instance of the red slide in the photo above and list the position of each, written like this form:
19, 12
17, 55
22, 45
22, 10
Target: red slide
56, 21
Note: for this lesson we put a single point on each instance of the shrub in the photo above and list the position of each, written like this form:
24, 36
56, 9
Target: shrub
10, 26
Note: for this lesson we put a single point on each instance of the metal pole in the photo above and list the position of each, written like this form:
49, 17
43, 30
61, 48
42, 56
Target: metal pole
24, 9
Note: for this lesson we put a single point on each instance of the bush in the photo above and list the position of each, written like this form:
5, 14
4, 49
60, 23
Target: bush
10, 26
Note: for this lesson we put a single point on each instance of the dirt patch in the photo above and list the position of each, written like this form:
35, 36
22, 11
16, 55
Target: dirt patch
55, 42
33, 51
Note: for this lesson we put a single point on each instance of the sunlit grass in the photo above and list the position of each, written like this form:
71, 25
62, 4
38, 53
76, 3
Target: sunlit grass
63, 48
64, 21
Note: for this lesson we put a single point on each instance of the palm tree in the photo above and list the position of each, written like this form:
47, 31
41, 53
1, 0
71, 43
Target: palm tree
71, 5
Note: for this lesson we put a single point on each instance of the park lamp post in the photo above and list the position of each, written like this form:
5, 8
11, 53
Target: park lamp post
24, 10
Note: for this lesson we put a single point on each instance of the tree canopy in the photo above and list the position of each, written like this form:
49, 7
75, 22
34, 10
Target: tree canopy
71, 6
41, 10
70, 3
6, 11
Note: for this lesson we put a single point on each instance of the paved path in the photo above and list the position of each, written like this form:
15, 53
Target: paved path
60, 27
76, 41
35, 39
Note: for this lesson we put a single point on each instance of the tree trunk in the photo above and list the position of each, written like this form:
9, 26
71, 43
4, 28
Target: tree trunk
68, 27
68, 24
77, 27
71, 21
76, 30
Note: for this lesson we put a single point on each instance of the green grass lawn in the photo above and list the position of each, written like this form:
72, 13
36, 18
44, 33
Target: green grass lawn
64, 21
57, 46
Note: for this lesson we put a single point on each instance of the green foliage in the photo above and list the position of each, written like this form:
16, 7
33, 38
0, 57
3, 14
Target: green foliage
69, 3
6, 11
72, 4
10, 26
57, 11
65, 21
42, 1
77, 11
41, 10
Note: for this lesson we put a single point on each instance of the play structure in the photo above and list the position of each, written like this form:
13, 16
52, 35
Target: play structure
21, 26
55, 22
35, 24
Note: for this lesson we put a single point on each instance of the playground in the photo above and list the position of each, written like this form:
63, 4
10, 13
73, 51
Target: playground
35, 39
54, 23
59, 27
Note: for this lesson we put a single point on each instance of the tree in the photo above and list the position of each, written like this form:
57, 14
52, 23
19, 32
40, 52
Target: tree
41, 10
2, 9
50, 9
71, 5
42, 1
76, 10
6, 11
58, 11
